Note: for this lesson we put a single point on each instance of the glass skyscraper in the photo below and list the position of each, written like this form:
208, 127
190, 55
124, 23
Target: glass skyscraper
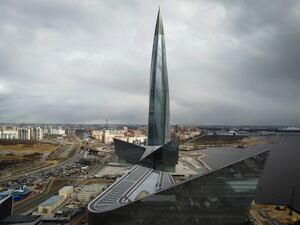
161, 153
159, 106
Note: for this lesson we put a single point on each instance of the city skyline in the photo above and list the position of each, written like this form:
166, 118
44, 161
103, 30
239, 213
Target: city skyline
230, 63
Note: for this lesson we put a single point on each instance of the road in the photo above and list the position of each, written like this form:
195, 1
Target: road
74, 154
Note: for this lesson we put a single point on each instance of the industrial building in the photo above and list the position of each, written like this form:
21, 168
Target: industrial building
66, 191
17, 194
90, 191
50, 204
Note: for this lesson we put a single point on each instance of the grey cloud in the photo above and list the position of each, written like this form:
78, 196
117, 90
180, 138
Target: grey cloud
229, 62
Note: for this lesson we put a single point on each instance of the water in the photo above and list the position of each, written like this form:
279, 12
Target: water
280, 181
221, 156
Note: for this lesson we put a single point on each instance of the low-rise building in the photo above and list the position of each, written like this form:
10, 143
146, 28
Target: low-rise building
66, 191
50, 204
90, 191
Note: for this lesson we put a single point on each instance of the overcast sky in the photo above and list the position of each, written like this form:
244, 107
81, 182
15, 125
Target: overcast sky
229, 62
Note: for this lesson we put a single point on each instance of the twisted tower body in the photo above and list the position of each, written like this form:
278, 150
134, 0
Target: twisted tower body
159, 106
161, 153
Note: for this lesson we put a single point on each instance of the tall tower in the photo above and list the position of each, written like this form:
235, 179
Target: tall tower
159, 106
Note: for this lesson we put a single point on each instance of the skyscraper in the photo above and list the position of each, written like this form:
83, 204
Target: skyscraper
161, 153
221, 196
159, 107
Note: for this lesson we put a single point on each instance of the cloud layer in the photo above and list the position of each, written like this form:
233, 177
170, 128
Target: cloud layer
229, 62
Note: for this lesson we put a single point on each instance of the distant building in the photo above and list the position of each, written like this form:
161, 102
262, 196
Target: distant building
24, 133
37, 133
8, 132
50, 130
227, 133
141, 139
9, 135
107, 136
58, 131
97, 134
8, 128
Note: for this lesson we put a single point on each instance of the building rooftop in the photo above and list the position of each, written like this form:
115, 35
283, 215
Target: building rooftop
52, 200
22, 191
93, 187
138, 181
66, 188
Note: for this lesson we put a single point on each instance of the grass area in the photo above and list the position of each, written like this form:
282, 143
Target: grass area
5, 157
14, 153
30, 148
218, 140
254, 141
6, 161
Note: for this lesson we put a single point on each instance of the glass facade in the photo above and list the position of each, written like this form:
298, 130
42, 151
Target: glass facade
163, 158
159, 109
220, 197
127, 152
6, 207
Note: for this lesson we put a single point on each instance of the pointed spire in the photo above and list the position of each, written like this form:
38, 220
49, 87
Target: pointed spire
159, 29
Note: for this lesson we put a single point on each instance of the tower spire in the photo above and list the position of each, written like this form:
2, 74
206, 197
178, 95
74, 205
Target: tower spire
159, 109
159, 29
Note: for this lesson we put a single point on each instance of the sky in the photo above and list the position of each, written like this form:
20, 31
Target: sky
74, 61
